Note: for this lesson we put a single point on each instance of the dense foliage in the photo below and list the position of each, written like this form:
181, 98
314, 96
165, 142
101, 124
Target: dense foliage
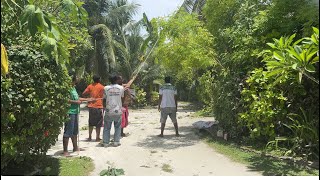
34, 105
40, 37
185, 50
257, 94
253, 64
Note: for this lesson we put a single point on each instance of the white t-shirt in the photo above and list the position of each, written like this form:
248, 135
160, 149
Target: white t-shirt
113, 94
168, 91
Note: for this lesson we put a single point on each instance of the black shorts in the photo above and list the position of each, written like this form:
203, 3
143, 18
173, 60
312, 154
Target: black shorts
95, 117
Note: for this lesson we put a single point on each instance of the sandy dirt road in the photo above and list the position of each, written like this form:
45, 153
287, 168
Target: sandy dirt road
142, 153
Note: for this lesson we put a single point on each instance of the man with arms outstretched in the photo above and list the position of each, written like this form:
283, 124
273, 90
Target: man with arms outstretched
95, 91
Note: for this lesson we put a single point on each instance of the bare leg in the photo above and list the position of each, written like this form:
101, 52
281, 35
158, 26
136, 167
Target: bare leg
98, 134
162, 129
90, 132
65, 146
176, 127
74, 142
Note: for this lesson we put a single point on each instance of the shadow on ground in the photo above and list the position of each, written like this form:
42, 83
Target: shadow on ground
170, 141
272, 167
44, 166
267, 166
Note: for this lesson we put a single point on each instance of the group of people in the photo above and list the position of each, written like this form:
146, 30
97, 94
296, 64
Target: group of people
109, 104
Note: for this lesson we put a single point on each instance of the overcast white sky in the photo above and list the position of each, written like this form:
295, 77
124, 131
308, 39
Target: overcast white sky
156, 8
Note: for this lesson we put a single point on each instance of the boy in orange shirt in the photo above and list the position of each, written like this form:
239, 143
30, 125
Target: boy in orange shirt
95, 91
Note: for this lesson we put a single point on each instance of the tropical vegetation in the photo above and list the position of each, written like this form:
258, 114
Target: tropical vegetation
252, 64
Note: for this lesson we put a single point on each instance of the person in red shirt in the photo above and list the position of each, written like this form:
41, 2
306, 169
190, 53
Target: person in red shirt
95, 91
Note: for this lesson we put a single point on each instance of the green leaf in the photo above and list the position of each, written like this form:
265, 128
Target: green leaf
55, 31
272, 64
273, 73
277, 56
310, 55
310, 68
27, 12
272, 45
315, 30
289, 40
314, 60
281, 43
294, 54
28, 17
297, 42
48, 21
294, 66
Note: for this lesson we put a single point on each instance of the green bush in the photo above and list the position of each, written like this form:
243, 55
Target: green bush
33, 104
275, 96
265, 106
140, 100
154, 98
205, 92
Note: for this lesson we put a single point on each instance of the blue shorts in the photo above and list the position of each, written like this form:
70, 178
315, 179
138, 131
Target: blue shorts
71, 127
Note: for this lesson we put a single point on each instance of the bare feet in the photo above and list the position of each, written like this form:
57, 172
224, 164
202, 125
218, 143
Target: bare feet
160, 135
98, 139
177, 135
88, 139
66, 154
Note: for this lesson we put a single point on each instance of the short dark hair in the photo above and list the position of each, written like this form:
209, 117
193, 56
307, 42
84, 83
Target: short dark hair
167, 79
96, 78
113, 79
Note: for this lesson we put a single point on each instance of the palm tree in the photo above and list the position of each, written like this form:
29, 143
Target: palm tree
194, 6
134, 53
107, 20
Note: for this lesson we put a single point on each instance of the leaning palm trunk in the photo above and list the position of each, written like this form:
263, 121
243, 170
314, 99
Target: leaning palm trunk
104, 55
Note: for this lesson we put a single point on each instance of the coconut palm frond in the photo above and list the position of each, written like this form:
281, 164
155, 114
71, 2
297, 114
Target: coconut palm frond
193, 6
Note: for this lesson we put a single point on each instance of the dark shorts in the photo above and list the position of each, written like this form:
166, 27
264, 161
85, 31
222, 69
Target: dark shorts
95, 117
71, 127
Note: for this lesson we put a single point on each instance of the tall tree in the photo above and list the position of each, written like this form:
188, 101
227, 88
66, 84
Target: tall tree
107, 30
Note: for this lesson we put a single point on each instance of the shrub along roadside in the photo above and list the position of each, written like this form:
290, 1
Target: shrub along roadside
275, 98
33, 105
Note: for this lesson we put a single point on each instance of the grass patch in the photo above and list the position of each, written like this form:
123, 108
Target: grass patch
111, 171
49, 166
202, 113
166, 168
255, 162
78, 166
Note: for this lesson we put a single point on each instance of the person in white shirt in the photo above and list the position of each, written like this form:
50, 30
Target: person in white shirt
113, 95
168, 105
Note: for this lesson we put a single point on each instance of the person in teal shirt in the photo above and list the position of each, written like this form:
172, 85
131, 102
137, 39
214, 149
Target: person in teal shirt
71, 127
